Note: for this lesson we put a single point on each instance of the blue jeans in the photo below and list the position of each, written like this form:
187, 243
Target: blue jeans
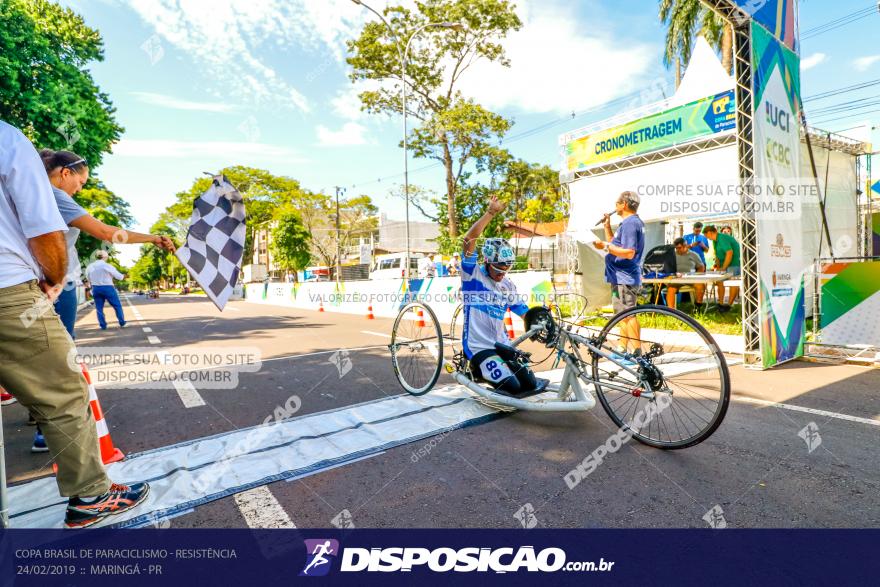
65, 307
107, 293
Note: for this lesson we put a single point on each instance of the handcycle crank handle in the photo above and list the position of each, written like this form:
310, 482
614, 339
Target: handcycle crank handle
526, 335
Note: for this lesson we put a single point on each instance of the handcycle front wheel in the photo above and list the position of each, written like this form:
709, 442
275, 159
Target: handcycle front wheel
416, 348
682, 372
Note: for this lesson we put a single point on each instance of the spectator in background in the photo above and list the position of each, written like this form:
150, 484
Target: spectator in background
623, 265
430, 269
101, 274
726, 260
727, 230
686, 261
68, 173
34, 346
454, 265
698, 243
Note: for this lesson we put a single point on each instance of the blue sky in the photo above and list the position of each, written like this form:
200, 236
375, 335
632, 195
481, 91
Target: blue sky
201, 84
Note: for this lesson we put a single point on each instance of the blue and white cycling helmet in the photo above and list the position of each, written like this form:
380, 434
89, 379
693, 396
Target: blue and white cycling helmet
498, 250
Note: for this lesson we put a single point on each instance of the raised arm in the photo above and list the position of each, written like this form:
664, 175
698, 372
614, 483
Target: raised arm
471, 236
113, 234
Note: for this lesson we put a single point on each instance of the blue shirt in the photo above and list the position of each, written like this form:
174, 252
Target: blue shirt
693, 241
630, 235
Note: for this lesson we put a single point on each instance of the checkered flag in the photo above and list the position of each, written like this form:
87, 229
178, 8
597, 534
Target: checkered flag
215, 240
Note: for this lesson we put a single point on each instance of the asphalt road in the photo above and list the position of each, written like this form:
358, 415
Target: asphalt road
755, 468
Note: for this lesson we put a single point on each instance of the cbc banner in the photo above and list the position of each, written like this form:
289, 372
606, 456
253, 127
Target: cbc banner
781, 264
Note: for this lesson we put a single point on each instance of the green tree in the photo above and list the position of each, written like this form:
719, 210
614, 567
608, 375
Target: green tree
86, 244
46, 88
435, 65
96, 195
290, 242
268, 197
684, 19
264, 193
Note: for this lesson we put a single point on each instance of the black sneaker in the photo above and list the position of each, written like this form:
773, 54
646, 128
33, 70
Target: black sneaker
82, 513
723, 309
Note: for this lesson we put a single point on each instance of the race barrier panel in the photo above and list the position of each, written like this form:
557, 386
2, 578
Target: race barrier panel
387, 296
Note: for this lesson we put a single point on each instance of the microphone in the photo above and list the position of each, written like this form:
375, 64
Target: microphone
602, 221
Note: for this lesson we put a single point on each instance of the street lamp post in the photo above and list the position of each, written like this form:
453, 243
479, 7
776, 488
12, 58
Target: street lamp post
448, 25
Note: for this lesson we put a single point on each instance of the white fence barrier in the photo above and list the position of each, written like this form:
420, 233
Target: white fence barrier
387, 296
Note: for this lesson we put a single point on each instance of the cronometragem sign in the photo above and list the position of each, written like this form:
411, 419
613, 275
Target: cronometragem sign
675, 126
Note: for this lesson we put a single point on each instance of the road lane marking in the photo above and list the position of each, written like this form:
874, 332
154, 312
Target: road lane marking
794, 408
188, 394
147, 329
260, 509
154, 340
382, 334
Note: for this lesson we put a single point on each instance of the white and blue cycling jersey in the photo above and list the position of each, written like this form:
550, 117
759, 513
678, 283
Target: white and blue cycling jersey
485, 303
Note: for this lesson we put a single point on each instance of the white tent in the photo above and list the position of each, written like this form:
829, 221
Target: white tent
703, 77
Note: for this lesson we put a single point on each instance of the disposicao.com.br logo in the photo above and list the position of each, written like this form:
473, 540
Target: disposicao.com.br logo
464, 560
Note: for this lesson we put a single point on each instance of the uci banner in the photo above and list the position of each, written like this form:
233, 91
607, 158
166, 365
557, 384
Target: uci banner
781, 264
697, 119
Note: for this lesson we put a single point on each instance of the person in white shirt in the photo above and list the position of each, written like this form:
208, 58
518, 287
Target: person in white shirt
34, 346
101, 275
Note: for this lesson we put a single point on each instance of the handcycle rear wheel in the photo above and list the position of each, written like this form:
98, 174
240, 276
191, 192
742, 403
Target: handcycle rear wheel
416, 348
688, 375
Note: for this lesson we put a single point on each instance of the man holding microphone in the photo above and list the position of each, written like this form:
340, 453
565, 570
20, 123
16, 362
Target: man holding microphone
623, 264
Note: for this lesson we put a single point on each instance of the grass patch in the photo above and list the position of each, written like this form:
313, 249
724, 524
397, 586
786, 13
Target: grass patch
714, 321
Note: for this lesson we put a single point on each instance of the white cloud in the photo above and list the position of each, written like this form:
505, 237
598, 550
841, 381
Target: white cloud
558, 64
162, 148
347, 104
231, 39
863, 63
178, 104
351, 133
813, 60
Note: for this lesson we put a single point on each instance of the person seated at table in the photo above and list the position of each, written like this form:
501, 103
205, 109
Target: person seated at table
686, 261
726, 261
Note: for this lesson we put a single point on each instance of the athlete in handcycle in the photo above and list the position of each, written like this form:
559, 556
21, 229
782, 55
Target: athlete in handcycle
668, 386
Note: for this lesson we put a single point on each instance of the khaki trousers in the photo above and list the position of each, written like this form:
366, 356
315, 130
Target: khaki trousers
34, 353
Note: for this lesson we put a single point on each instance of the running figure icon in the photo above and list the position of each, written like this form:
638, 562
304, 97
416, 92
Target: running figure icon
318, 552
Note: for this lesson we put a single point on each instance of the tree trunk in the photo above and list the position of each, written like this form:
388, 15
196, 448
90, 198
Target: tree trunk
450, 193
677, 71
727, 48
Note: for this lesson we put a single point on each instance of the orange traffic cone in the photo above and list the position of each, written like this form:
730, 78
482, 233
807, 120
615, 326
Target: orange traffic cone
109, 453
421, 318
320, 305
508, 325
370, 312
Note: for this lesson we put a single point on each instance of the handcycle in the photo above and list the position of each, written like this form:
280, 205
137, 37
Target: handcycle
666, 383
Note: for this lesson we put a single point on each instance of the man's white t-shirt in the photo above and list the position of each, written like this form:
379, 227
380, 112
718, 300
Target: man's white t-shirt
102, 273
485, 303
27, 206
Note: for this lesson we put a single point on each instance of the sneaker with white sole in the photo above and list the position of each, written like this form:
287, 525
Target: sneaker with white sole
39, 444
6, 399
83, 512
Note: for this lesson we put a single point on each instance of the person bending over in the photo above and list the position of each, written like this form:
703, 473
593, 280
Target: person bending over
487, 294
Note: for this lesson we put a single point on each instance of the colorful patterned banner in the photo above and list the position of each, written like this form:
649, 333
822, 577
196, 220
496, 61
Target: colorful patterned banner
850, 302
779, 17
781, 265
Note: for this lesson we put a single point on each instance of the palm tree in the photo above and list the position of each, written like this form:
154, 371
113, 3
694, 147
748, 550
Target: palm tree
685, 19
